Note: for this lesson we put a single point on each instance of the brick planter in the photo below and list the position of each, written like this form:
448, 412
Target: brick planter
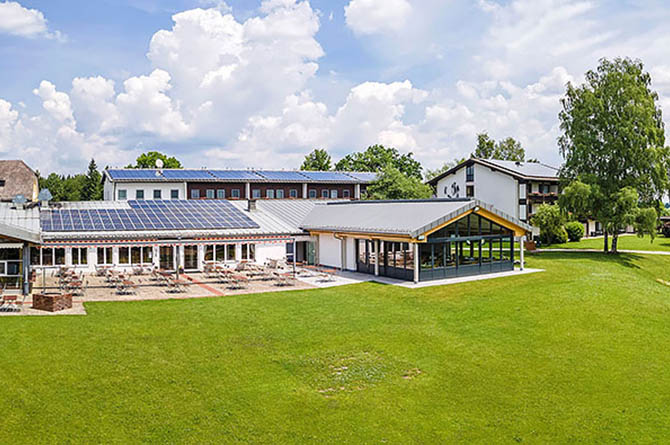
52, 302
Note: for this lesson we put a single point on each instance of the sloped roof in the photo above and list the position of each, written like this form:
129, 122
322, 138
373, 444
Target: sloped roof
21, 224
520, 170
409, 218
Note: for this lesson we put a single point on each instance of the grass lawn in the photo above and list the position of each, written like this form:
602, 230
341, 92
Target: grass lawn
578, 353
626, 242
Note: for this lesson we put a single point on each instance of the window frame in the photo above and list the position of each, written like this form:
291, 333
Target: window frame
139, 192
174, 194
195, 193
158, 194
312, 194
293, 193
221, 194
235, 193
122, 195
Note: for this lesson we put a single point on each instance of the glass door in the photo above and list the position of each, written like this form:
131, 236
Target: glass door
190, 257
167, 257
311, 254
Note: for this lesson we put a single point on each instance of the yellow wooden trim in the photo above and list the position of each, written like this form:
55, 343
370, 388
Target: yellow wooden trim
518, 231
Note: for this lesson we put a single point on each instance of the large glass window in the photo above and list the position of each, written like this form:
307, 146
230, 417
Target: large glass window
249, 252
470, 173
221, 194
124, 255
122, 195
104, 255
59, 256
270, 194
256, 193
79, 256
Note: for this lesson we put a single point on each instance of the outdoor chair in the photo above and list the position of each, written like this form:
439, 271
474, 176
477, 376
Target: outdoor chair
9, 303
238, 282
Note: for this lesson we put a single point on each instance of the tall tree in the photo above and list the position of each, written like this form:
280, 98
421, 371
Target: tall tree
148, 160
485, 147
54, 183
393, 184
613, 138
93, 184
509, 149
377, 157
317, 160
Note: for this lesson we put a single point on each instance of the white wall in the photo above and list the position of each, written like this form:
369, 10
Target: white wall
491, 187
329, 251
148, 187
270, 251
351, 254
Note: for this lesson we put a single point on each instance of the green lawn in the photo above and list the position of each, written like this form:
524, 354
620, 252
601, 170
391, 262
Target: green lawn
626, 242
578, 353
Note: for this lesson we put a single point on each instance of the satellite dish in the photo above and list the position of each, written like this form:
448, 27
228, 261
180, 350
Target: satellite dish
159, 163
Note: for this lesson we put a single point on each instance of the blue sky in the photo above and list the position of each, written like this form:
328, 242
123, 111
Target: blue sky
251, 83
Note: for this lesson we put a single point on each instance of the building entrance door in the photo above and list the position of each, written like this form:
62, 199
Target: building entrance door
167, 257
190, 257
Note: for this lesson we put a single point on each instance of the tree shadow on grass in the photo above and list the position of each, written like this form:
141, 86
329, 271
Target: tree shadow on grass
625, 259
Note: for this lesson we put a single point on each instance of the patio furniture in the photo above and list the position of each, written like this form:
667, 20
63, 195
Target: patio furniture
238, 282
9, 303
138, 270
176, 286
126, 287
283, 279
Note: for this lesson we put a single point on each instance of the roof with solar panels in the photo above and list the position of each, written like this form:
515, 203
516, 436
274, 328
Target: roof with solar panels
220, 175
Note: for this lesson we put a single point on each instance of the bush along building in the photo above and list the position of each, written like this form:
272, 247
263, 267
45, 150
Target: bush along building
168, 184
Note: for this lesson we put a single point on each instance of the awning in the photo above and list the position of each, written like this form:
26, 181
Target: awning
11, 245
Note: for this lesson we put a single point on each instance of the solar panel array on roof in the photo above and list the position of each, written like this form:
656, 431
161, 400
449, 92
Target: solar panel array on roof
239, 175
134, 174
363, 176
282, 175
327, 176
149, 215
186, 174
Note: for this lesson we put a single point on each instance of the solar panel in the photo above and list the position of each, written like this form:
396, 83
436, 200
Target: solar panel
281, 175
149, 215
134, 174
327, 176
363, 176
186, 174
236, 175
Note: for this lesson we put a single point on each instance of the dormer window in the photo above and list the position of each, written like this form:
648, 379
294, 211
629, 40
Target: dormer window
2, 182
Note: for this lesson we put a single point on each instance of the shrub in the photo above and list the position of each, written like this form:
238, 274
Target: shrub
550, 222
575, 230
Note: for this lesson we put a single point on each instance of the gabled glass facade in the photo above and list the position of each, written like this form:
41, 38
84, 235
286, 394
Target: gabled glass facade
472, 245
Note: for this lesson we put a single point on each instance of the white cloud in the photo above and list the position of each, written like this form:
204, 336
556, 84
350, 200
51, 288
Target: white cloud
19, 21
377, 16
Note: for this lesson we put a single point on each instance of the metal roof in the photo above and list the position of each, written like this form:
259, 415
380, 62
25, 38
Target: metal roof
411, 218
220, 175
23, 224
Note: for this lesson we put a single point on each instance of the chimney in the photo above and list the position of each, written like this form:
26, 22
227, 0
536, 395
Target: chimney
44, 197
251, 205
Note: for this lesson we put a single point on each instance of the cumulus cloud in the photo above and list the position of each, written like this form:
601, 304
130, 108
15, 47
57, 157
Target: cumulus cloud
19, 21
377, 16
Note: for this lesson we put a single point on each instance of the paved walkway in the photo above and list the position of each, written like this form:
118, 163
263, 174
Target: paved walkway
642, 252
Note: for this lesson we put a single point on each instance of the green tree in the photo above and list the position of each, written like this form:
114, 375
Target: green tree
393, 184
485, 147
646, 223
148, 160
550, 221
317, 160
377, 157
509, 149
73, 187
576, 200
613, 138
430, 174
93, 184
54, 183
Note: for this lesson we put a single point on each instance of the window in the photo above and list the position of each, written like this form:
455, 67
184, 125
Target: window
221, 194
470, 191
209, 194
47, 257
333, 194
220, 252
174, 194
270, 194
293, 193
59, 256
324, 194
124, 255
139, 194
470, 173
235, 193
141, 255
195, 194
544, 188
255, 193
2, 182
346, 194
79, 256
249, 252
312, 194
105, 255
157, 194
122, 195
230, 252
280, 194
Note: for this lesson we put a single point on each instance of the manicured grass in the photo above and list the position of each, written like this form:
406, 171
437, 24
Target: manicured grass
626, 242
578, 353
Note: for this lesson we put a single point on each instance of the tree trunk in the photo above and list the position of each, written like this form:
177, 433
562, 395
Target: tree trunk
615, 239
606, 247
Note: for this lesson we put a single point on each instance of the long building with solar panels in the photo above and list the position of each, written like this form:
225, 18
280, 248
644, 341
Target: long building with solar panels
175, 184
